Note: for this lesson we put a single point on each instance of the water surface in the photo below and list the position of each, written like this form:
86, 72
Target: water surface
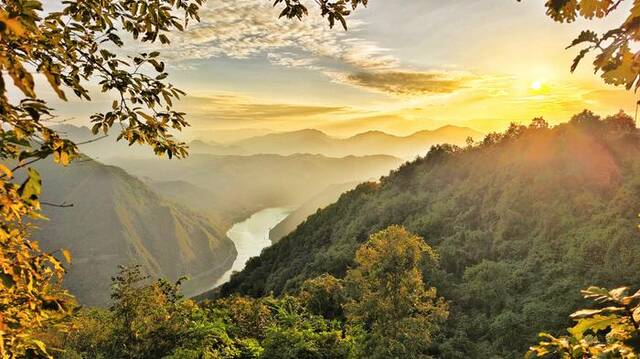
251, 236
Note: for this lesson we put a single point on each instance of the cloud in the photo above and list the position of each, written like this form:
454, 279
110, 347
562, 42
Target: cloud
407, 83
289, 59
234, 109
244, 28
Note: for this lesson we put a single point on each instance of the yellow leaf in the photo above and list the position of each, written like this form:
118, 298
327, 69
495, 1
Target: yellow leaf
594, 324
12, 24
41, 346
54, 81
22, 79
67, 255
15, 26
6, 170
594, 8
146, 117
61, 157
626, 71
636, 314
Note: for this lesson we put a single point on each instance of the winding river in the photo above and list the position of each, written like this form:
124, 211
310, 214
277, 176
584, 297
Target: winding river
252, 236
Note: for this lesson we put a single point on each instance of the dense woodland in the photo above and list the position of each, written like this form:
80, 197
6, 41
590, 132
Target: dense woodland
522, 221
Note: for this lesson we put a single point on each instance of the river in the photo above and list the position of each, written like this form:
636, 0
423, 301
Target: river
251, 236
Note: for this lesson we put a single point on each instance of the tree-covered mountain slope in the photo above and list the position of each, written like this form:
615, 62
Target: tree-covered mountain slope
116, 220
521, 222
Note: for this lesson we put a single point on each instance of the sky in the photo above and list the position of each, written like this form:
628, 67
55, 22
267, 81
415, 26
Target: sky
403, 66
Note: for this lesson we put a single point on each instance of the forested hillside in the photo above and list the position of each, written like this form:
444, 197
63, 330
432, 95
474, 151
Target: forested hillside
117, 220
521, 222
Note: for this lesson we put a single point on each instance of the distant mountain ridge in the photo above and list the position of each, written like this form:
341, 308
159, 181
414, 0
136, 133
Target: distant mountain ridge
309, 141
367, 143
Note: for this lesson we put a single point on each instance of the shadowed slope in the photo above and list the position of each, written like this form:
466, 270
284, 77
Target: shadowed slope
115, 220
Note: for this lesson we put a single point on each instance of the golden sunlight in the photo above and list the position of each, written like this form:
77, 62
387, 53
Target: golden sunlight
537, 85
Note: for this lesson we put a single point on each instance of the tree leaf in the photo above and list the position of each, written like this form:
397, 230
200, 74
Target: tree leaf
594, 8
67, 255
6, 170
31, 187
594, 324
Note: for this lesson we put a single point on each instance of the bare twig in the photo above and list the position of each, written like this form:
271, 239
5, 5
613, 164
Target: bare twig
59, 205
92, 140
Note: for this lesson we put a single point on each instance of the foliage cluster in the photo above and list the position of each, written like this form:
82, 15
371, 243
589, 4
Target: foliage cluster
69, 46
332, 10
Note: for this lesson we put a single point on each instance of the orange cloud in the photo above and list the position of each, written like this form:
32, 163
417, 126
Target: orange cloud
406, 83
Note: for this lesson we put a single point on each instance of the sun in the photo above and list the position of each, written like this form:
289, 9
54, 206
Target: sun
536, 85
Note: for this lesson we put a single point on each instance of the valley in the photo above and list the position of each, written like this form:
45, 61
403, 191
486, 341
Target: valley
164, 219
250, 238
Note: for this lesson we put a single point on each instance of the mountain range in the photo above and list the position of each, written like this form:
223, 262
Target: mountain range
317, 142
308, 141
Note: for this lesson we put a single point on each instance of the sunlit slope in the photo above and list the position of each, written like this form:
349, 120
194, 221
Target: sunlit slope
521, 224
116, 219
